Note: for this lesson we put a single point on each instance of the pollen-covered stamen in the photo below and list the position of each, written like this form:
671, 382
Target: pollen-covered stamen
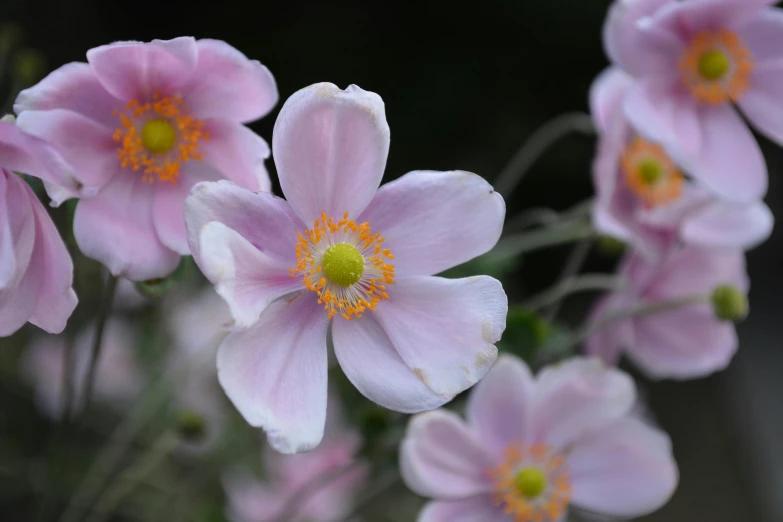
157, 137
650, 173
345, 264
532, 484
716, 67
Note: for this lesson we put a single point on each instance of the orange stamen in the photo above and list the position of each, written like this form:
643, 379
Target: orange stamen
134, 154
729, 80
353, 300
664, 187
552, 503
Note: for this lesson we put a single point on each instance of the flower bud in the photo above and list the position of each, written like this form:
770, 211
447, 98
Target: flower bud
29, 66
729, 303
157, 288
610, 246
191, 426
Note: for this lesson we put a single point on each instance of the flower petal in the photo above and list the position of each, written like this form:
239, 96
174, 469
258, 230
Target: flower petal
762, 103
501, 405
330, 148
56, 298
246, 278
445, 329
268, 222
86, 145
763, 35
624, 470
693, 271
441, 458
422, 217
275, 373
74, 87
730, 162
577, 396
116, 227
8, 264
683, 344
628, 45
169, 204
238, 153
137, 70
609, 342
606, 97
729, 225
686, 19
373, 365
479, 508
226, 84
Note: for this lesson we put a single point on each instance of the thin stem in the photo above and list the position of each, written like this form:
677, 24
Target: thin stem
154, 455
543, 138
386, 483
572, 285
298, 498
576, 259
103, 314
559, 234
638, 311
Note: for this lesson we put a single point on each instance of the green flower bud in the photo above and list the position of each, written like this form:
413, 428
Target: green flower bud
610, 246
157, 288
729, 303
191, 426
29, 66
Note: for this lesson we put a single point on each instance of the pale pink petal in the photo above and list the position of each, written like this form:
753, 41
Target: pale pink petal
730, 162
275, 373
74, 87
246, 278
117, 228
137, 70
372, 364
423, 219
763, 35
729, 225
624, 470
628, 46
762, 103
249, 500
663, 112
500, 407
169, 204
330, 148
8, 263
86, 145
23, 152
268, 222
226, 84
441, 458
238, 153
687, 19
20, 296
608, 342
683, 344
577, 396
445, 329
479, 508
56, 298
606, 96
694, 271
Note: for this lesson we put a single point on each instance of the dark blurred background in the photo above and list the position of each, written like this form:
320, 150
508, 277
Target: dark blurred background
465, 83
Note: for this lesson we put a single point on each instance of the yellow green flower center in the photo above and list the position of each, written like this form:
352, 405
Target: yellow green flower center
713, 65
530, 482
343, 265
650, 171
158, 136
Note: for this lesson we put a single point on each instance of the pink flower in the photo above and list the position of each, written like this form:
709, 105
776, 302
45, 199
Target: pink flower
141, 123
532, 447
407, 340
643, 197
329, 474
682, 343
118, 377
693, 61
36, 271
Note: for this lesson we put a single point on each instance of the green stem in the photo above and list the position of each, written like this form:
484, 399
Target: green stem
154, 455
543, 138
572, 285
103, 314
573, 265
558, 234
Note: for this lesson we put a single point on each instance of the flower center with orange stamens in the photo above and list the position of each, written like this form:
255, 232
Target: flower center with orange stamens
716, 67
532, 484
345, 264
650, 173
157, 137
